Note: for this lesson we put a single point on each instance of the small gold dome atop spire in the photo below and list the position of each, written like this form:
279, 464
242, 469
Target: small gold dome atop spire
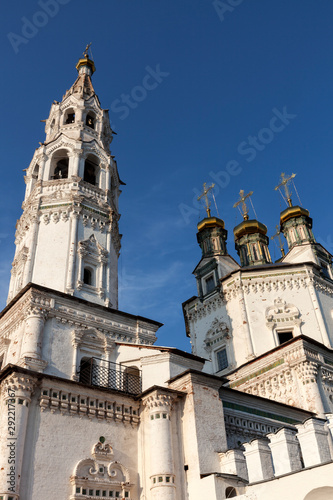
85, 62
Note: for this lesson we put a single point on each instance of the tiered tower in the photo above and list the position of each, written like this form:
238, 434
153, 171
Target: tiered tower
67, 237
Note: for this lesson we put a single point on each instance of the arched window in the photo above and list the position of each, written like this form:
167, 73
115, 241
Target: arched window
35, 172
132, 380
230, 492
69, 116
61, 169
90, 120
88, 276
90, 172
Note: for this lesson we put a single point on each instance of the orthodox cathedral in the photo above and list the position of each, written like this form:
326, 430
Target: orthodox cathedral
92, 408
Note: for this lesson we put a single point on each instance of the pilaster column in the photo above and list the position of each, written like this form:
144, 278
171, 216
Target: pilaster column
15, 400
42, 161
162, 476
74, 164
70, 285
307, 372
76, 339
108, 267
28, 269
318, 313
33, 333
107, 177
245, 323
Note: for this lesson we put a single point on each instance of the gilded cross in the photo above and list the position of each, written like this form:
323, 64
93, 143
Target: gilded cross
242, 197
284, 183
205, 195
277, 235
85, 53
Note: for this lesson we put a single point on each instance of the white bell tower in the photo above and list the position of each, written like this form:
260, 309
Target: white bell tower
67, 238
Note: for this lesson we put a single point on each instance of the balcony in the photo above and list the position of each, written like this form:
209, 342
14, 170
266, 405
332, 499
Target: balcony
107, 375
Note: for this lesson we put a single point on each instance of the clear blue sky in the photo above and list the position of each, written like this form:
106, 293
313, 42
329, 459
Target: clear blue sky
223, 70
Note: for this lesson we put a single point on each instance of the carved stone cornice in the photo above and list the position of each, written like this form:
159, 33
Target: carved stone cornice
202, 309
321, 284
265, 283
307, 371
94, 403
159, 399
20, 383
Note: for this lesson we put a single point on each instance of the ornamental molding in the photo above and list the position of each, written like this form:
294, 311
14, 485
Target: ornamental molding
92, 249
96, 403
265, 283
158, 400
100, 473
61, 142
307, 371
91, 338
114, 330
321, 285
327, 376
20, 259
102, 451
32, 303
19, 382
217, 334
282, 314
202, 309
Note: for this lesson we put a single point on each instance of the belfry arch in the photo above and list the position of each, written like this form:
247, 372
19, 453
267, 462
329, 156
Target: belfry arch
59, 165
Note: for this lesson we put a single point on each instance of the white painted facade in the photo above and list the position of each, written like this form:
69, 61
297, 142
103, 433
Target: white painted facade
91, 408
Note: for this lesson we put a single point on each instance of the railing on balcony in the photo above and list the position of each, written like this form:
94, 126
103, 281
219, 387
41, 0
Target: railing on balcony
109, 375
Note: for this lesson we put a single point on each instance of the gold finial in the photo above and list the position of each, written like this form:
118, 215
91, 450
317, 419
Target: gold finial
85, 53
284, 183
277, 235
205, 194
244, 210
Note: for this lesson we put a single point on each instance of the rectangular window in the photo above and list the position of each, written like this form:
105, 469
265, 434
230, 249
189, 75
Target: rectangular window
222, 359
324, 270
284, 337
210, 284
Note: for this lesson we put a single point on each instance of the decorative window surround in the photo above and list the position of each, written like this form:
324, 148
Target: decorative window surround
100, 477
94, 256
283, 317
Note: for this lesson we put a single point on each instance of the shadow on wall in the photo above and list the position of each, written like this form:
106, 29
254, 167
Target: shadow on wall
320, 494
